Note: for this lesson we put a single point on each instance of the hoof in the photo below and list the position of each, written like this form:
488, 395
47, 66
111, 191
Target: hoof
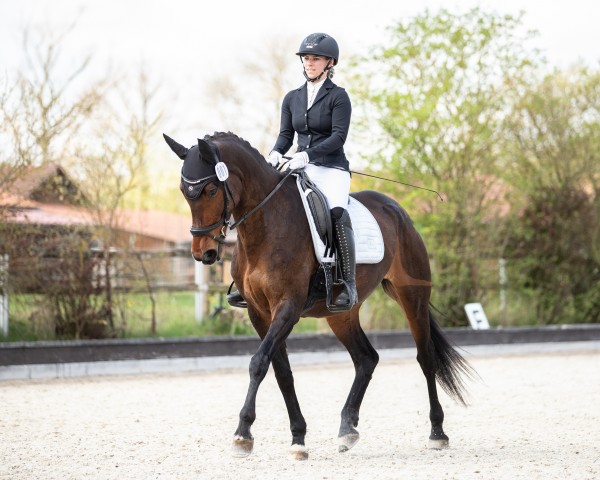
298, 452
346, 442
438, 443
242, 447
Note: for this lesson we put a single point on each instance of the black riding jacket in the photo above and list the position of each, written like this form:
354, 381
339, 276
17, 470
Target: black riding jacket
322, 129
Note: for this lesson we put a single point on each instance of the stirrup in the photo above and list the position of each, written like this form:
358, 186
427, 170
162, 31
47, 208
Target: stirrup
351, 297
235, 298
330, 302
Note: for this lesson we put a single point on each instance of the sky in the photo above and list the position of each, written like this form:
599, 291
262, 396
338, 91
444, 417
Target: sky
185, 43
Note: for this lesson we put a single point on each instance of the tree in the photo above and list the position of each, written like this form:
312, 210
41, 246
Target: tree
120, 159
257, 89
48, 119
42, 112
44, 109
555, 135
434, 103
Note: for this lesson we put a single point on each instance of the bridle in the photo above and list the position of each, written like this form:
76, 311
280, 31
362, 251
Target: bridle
196, 186
192, 190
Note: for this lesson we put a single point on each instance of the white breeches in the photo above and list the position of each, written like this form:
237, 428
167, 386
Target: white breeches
334, 183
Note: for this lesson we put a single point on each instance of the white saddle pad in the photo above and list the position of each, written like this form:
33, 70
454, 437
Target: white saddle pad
368, 240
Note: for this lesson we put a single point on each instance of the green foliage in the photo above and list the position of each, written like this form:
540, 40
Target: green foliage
554, 145
554, 132
175, 312
557, 255
458, 103
439, 93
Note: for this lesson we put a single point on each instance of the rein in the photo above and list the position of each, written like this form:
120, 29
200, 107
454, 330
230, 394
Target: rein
234, 225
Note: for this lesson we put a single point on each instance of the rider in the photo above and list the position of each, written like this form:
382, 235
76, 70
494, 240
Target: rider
319, 113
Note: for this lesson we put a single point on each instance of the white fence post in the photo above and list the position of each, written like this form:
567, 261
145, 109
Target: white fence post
201, 292
4, 294
503, 283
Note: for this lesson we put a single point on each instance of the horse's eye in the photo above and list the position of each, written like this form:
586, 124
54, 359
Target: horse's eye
211, 191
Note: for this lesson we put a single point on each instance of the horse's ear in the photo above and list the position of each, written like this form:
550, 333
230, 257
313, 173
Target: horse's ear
180, 150
206, 152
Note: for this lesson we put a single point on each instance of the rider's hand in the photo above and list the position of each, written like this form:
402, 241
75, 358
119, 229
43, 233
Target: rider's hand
274, 158
299, 160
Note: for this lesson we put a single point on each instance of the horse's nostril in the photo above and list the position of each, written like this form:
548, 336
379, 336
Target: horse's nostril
209, 257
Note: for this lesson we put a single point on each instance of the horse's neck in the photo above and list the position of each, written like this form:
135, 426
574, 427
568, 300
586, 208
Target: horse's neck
276, 220
254, 183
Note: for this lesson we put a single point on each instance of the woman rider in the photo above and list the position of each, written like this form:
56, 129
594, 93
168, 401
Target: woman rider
319, 113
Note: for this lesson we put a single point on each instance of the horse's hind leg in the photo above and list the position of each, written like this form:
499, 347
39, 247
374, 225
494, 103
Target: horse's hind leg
348, 330
415, 302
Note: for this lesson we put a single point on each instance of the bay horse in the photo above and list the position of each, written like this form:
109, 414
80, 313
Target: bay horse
224, 178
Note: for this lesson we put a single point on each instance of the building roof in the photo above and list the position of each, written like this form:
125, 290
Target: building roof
46, 183
31, 201
172, 227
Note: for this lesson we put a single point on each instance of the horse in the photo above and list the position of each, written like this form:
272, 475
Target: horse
224, 178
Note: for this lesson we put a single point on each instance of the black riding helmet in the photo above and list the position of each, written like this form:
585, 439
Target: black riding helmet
320, 44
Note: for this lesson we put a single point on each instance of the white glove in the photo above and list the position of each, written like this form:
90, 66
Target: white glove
299, 160
274, 158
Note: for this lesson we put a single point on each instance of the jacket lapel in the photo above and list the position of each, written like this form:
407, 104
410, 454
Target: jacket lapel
324, 90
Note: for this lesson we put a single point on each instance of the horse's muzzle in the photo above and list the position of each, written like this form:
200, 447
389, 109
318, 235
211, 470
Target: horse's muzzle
208, 258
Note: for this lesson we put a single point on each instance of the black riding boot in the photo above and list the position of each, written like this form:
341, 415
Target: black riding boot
344, 242
235, 299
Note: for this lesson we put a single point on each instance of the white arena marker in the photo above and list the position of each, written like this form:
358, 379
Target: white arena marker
477, 316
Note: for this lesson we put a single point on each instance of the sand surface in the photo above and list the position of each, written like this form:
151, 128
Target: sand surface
532, 416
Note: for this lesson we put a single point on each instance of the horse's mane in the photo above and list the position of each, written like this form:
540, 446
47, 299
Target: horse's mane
229, 136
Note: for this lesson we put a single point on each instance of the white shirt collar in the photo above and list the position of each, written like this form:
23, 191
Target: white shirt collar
311, 91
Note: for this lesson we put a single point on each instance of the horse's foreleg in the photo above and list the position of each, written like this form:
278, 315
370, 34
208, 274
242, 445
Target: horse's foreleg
243, 442
285, 380
365, 359
274, 339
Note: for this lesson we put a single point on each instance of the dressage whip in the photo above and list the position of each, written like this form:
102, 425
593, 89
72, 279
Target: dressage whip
388, 180
401, 183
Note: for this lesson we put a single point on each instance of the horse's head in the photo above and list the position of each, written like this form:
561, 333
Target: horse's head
202, 177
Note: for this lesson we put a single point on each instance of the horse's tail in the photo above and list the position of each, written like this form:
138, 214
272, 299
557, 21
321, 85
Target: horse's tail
451, 367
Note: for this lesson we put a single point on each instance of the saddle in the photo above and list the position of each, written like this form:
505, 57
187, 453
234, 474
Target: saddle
317, 212
367, 235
